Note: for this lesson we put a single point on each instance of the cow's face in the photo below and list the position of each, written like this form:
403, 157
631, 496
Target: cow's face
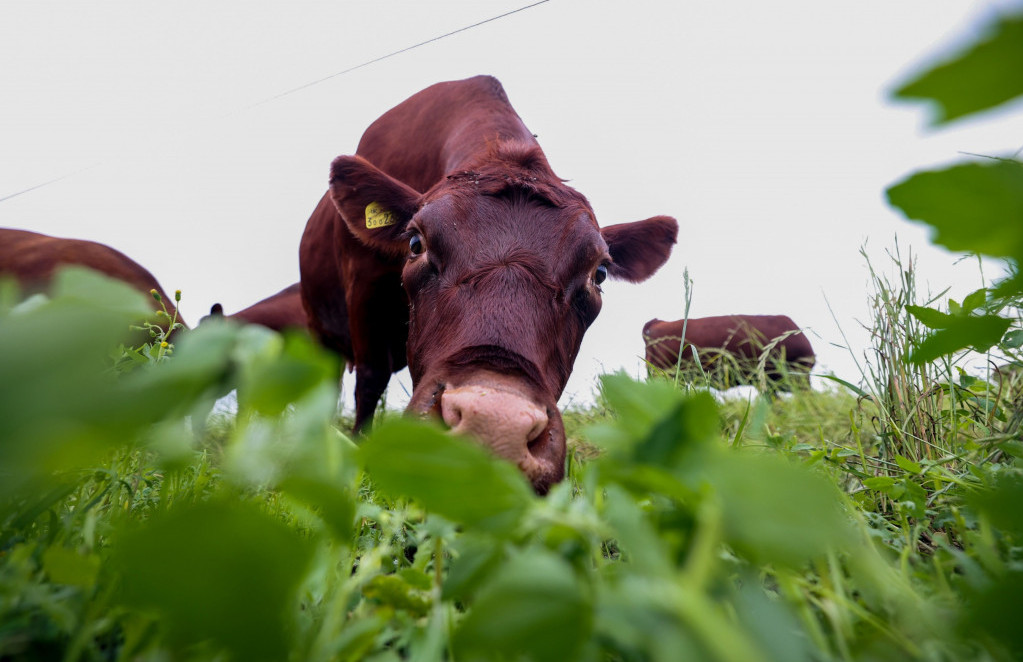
503, 276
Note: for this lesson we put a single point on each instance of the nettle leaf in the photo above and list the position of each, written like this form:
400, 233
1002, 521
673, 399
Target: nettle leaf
221, 571
448, 475
775, 511
931, 318
973, 207
980, 333
535, 608
984, 76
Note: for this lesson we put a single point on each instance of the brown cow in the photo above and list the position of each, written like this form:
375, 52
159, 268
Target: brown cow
730, 348
32, 258
278, 312
449, 242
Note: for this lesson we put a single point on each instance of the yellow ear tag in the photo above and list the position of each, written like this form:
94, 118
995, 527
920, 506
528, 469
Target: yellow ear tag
378, 217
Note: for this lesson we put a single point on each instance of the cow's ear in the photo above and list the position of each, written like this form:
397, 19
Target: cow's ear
375, 206
639, 249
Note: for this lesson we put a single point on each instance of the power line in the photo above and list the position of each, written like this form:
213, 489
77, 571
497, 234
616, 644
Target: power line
389, 55
52, 181
305, 86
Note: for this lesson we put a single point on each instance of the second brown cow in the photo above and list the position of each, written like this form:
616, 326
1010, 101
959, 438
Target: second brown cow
448, 242
730, 348
280, 311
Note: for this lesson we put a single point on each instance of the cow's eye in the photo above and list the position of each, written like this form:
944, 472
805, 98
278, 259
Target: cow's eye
600, 275
415, 244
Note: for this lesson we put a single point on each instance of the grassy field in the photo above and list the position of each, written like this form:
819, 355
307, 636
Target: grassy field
881, 522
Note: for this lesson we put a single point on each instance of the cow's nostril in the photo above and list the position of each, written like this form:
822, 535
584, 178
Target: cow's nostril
451, 411
504, 421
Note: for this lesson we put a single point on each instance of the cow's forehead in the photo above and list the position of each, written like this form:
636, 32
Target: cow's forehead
453, 214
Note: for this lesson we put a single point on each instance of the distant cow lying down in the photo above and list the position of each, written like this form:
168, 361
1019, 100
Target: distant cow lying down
32, 258
732, 349
278, 312
447, 241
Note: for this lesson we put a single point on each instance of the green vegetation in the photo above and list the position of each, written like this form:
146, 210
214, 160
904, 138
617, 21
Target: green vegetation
878, 520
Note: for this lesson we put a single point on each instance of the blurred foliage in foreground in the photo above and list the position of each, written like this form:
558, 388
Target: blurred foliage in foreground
136, 525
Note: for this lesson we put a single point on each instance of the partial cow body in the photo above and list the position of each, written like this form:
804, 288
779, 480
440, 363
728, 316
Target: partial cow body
32, 258
279, 311
447, 242
730, 347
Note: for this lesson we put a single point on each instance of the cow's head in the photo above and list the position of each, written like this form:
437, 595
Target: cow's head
503, 270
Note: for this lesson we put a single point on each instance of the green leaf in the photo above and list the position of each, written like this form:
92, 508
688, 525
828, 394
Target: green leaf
774, 511
692, 422
223, 572
534, 608
66, 566
973, 207
980, 333
909, 466
395, 592
983, 76
642, 404
1013, 339
931, 318
1003, 504
448, 475
975, 300
879, 483
476, 559
331, 501
995, 610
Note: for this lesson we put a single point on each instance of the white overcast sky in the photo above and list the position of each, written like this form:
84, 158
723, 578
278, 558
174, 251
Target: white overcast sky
764, 127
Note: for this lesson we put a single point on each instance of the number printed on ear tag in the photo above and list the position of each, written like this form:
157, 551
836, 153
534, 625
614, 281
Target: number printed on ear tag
378, 217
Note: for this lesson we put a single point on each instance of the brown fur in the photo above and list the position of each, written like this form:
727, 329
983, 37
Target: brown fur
279, 311
505, 281
32, 258
730, 347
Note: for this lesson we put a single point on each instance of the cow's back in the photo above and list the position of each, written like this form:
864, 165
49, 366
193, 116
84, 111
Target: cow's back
280, 311
433, 132
33, 258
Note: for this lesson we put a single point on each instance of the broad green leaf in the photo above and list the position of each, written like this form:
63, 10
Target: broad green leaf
1003, 504
995, 610
637, 538
533, 609
692, 422
985, 75
331, 501
66, 566
448, 475
283, 373
1013, 339
973, 207
642, 404
980, 333
975, 300
774, 511
476, 559
879, 483
221, 572
931, 318
908, 465
60, 405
